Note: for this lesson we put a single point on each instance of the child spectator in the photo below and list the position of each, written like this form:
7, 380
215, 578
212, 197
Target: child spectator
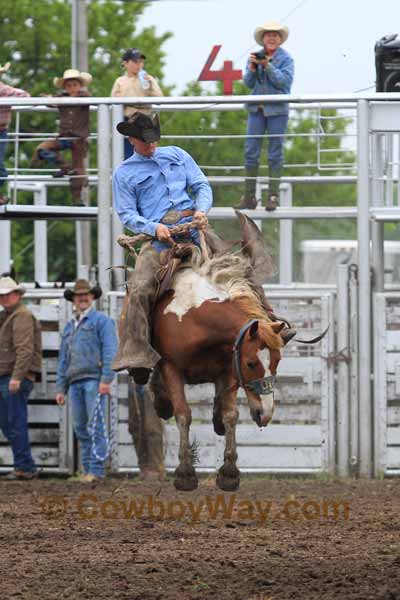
74, 123
5, 119
136, 83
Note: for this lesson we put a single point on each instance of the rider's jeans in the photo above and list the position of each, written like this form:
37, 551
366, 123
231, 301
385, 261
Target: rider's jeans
86, 410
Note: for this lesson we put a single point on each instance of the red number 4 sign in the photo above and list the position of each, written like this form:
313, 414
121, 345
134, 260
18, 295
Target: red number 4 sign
227, 74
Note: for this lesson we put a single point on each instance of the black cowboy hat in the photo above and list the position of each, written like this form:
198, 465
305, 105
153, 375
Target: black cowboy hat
82, 286
142, 127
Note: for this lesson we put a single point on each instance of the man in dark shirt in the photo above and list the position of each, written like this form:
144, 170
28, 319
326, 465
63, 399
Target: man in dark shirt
74, 123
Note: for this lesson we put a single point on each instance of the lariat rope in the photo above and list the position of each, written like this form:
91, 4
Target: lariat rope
101, 432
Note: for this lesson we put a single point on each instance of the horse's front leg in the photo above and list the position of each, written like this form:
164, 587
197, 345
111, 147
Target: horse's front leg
228, 478
185, 475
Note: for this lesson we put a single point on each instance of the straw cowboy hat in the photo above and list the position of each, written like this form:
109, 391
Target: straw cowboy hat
271, 26
9, 285
5, 68
82, 286
84, 78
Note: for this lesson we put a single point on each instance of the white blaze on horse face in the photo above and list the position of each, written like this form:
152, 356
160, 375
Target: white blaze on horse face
191, 290
267, 400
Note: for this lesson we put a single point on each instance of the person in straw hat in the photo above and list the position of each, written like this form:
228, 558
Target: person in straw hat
5, 119
20, 365
88, 346
74, 129
268, 71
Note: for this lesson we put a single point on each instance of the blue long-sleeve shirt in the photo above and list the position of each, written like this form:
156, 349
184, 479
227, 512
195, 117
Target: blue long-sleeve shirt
277, 78
146, 188
87, 350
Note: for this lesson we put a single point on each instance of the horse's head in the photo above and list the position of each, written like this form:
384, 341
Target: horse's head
260, 345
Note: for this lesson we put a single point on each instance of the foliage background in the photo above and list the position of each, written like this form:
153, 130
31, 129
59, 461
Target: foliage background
36, 39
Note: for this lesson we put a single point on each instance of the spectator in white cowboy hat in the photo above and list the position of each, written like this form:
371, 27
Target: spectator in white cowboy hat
136, 83
88, 346
20, 365
268, 71
5, 119
75, 124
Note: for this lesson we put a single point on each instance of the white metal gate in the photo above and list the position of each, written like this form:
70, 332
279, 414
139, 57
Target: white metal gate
387, 383
301, 436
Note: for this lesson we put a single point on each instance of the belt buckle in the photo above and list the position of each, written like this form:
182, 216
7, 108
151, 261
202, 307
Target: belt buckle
171, 217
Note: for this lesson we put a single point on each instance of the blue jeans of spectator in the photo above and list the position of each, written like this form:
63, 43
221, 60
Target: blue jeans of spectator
51, 156
83, 395
14, 422
128, 148
3, 148
258, 124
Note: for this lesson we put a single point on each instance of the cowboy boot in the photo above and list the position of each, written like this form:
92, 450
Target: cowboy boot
273, 196
248, 200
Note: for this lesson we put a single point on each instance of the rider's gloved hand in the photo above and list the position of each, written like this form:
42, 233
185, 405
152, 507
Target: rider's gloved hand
201, 218
163, 233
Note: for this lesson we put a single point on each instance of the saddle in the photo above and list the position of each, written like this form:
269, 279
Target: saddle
174, 259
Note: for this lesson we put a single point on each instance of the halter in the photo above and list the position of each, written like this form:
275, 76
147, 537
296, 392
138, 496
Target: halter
265, 385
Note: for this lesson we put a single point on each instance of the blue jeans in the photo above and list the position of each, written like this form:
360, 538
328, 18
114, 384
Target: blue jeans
14, 422
50, 155
258, 124
3, 148
83, 395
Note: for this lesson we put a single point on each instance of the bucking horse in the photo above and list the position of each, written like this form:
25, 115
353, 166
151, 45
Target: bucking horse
210, 326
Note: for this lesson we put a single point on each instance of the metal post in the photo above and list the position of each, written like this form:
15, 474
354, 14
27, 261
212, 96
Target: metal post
40, 232
364, 355
5, 246
377, 228
286, 238
354, 405
343, 374
118, 257
104, 196
80, 61
389, 169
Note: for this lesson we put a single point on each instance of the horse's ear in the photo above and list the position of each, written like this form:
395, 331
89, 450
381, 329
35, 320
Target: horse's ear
253, 331
278, 326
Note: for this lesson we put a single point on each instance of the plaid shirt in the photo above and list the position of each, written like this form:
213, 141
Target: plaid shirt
5, 111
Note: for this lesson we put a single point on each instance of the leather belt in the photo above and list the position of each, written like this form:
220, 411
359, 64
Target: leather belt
173, 216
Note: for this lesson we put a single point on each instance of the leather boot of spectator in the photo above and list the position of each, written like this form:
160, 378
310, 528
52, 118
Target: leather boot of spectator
248, 200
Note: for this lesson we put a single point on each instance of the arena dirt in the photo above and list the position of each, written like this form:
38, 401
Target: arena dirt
275, 539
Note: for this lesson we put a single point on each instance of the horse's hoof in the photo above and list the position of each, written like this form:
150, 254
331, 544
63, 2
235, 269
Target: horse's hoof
186, 484
228, 484
228, 478
219, 427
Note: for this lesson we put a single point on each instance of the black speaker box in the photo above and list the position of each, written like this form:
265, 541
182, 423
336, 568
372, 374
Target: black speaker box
387, 63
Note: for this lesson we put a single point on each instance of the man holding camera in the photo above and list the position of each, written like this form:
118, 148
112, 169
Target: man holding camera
268, 71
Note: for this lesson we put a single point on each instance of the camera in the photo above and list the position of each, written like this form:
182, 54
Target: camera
260, 55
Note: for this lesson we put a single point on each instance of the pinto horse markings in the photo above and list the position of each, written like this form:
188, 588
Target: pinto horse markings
195, 330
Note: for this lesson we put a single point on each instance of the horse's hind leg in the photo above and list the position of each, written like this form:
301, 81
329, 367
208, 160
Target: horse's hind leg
162, 403
185, 475
228, 478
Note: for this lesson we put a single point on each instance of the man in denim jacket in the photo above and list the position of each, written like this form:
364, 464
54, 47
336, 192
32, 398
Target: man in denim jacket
269, 71
88, 346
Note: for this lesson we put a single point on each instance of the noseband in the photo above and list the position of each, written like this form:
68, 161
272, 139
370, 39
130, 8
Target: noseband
265, 385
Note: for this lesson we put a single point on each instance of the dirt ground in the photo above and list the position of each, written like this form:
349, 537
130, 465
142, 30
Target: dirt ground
274, 539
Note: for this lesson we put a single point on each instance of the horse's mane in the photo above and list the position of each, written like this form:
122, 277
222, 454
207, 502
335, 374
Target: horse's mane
231, 273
